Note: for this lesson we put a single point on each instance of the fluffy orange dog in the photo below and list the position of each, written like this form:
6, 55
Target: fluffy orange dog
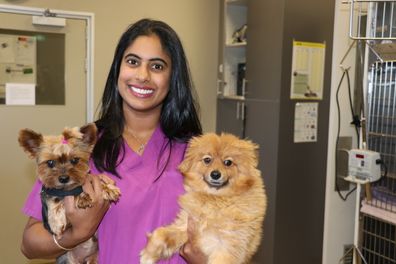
224, 196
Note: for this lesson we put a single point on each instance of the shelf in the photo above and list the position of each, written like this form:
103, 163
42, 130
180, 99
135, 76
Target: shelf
232, 97
236, 45
237, 2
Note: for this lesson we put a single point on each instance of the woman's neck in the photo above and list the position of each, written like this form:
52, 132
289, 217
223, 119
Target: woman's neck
139, 126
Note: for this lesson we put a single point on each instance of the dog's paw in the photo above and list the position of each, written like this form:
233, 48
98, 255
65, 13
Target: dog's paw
83, 201
111, 192
145, 258
162, 244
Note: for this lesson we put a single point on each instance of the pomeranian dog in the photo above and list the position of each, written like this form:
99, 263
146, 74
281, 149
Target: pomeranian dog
225, 198
62, 167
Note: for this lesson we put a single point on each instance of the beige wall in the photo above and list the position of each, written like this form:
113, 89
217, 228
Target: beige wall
196, 22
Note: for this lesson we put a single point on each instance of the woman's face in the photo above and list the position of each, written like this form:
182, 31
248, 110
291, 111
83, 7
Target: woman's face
145, 72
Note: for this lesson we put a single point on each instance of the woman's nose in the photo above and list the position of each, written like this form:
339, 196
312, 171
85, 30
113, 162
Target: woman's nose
143, 74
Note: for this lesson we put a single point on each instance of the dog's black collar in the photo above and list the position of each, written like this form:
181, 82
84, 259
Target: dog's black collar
62, 193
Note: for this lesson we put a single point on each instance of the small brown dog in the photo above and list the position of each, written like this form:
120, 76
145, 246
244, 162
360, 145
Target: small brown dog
62, 167
224, 197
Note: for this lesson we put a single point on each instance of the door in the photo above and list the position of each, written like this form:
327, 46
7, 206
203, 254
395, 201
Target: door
17, 171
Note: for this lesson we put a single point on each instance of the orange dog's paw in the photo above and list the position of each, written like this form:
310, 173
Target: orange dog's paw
154, 250
83, 200
146, 258
161, 245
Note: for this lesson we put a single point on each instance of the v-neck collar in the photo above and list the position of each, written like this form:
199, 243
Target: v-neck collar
148, 161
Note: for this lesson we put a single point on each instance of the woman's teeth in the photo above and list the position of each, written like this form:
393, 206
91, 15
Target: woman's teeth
141, 91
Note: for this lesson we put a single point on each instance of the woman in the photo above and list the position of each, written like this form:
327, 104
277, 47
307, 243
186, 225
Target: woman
147, 116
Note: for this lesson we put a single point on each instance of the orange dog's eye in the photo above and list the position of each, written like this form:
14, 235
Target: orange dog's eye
207, 160
227, 162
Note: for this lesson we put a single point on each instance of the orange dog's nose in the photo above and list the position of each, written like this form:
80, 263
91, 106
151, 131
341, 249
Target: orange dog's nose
215, 175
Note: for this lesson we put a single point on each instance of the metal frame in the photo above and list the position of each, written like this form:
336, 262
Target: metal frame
360, 8
90, 20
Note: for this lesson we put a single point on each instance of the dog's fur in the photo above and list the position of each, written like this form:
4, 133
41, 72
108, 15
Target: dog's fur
62, 164
224, 197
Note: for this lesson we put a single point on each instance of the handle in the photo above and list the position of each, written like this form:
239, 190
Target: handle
237, 111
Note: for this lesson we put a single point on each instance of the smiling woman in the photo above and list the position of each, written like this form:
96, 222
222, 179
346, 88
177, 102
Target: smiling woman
147, 115
144, 76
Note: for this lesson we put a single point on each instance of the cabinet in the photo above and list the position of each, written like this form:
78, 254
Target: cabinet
232, 61
232, 67
232, 113
294, 173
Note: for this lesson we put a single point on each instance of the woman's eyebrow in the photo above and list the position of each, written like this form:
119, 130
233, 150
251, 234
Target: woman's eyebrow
151, 59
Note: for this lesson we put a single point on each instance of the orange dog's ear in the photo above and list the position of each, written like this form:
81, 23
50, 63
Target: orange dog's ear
249, 150
30, 141
187, 162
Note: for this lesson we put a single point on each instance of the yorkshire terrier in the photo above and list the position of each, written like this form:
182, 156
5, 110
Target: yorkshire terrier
225, 199
62, 167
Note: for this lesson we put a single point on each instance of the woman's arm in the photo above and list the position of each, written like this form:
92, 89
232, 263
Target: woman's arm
191, 254
37, 242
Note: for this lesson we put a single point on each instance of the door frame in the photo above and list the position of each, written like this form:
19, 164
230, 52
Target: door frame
90, 22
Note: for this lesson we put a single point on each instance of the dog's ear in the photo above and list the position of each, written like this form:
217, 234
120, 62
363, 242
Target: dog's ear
89, 132
30, 141
185, 165
250, 151
187, 162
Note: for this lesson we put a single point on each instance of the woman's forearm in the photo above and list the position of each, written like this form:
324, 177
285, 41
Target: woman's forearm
37, 242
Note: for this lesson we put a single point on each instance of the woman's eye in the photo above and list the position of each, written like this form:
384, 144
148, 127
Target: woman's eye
157, 67
51, 163
227, 162
207, 160
132, 62
74, 161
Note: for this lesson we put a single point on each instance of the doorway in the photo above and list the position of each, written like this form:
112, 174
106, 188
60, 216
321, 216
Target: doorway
47, 116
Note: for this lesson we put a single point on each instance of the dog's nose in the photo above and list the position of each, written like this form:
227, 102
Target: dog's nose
63, 179
215, 175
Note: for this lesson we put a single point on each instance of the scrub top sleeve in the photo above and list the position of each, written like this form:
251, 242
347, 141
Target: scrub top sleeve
32, 205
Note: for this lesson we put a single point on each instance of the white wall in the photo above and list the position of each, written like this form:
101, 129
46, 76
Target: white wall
339, 214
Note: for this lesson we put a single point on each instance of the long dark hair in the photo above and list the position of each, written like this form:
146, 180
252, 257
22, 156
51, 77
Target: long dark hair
179, 118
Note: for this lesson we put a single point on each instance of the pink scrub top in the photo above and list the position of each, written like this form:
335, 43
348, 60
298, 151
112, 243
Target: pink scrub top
146, 202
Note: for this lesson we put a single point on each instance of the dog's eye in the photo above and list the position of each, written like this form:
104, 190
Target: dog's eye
51, 163
74, 161
207, 160
227, 162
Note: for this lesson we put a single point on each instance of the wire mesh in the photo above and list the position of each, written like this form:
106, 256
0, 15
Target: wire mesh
378, 241
381, 131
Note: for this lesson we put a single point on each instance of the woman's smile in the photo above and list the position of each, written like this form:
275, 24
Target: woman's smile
142, 92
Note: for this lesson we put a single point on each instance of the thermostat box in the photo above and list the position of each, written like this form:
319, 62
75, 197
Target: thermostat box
364, 165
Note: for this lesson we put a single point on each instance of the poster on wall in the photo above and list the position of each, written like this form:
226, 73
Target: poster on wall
306, 122
307, 74
17, 61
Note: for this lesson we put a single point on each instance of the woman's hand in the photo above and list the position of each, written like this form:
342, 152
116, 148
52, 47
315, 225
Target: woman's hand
84, 222
37, 242
191, 253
